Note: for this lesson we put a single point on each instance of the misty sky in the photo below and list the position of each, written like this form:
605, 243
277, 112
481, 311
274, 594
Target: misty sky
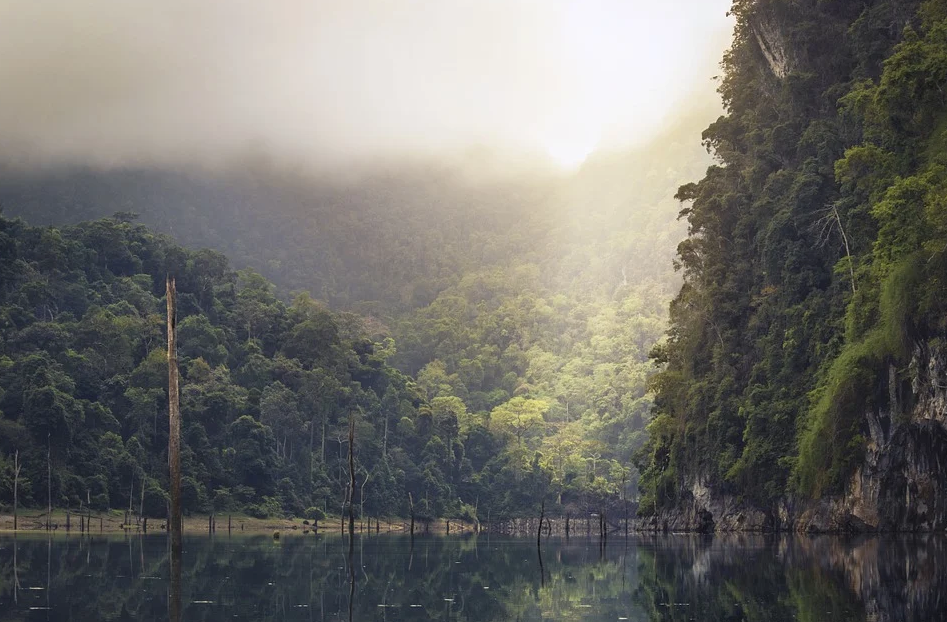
129, 82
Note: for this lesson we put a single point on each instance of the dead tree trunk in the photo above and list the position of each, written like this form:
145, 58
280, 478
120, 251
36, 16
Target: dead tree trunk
312, 457
384, 443
352, 476
49, 486
141, 501
361, 497
174, 412
411, 510
16, 484
539, 531
131, 496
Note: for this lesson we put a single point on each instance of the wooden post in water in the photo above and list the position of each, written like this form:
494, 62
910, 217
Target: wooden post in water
67, 521
174, 420
567, 525
229, 517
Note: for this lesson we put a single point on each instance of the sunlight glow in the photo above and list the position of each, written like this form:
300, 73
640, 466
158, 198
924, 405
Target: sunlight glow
569, 152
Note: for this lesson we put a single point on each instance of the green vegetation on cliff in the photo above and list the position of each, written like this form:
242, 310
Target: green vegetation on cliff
816, 250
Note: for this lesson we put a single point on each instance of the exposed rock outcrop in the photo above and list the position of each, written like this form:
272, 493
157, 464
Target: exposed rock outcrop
901, 484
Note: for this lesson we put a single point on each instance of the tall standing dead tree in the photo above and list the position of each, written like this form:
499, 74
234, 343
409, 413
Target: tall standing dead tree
49, 487
352, 476
16, 484
174, 412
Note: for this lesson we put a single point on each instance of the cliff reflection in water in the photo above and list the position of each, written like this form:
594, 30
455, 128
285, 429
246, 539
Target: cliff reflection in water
751, 578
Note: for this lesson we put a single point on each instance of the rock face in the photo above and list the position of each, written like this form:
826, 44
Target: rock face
901, 484
772, 42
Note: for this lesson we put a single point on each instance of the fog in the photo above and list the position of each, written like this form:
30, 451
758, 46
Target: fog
319, 84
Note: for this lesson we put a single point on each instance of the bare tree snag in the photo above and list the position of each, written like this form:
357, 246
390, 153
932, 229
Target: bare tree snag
352, 476
361, 497
141, 501
174, 418
542, 514
49, 487
16, 484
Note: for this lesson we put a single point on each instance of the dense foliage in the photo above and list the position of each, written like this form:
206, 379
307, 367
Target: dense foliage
519, 386
525, 318
815, 256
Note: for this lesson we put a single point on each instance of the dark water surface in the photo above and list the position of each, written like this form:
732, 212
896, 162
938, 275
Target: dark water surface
674, 578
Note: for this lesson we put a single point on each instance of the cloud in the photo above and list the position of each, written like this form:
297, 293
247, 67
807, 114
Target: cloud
321, 83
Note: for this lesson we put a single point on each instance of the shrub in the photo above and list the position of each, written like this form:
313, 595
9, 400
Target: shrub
315, 514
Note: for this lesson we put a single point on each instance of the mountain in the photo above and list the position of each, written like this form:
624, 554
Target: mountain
499, 355
803, 375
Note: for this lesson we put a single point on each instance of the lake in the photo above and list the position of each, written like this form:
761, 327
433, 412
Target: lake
480, 579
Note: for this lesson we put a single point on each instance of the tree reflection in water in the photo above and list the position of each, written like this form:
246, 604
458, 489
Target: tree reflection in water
667, 578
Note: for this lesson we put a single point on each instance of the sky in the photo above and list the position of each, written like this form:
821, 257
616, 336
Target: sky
112, 83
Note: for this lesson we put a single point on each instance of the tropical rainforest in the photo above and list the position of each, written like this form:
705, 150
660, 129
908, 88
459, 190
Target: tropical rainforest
504, 342
490, 340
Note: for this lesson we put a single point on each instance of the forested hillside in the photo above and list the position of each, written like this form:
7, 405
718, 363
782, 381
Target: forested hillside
525, 311
802, 354
531, 374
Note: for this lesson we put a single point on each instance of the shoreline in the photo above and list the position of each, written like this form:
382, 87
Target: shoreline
33, 521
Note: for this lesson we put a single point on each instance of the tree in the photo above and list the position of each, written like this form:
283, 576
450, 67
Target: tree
519, 417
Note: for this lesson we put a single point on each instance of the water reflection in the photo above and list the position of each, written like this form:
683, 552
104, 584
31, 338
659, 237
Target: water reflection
673, 578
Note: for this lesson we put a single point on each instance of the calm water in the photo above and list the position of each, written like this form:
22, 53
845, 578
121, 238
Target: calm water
674, 578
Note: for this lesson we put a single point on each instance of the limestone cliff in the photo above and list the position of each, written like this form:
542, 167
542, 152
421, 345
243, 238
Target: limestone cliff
901, 484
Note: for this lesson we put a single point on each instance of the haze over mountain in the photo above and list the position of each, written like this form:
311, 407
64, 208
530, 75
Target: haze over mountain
489, 186
315, 85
